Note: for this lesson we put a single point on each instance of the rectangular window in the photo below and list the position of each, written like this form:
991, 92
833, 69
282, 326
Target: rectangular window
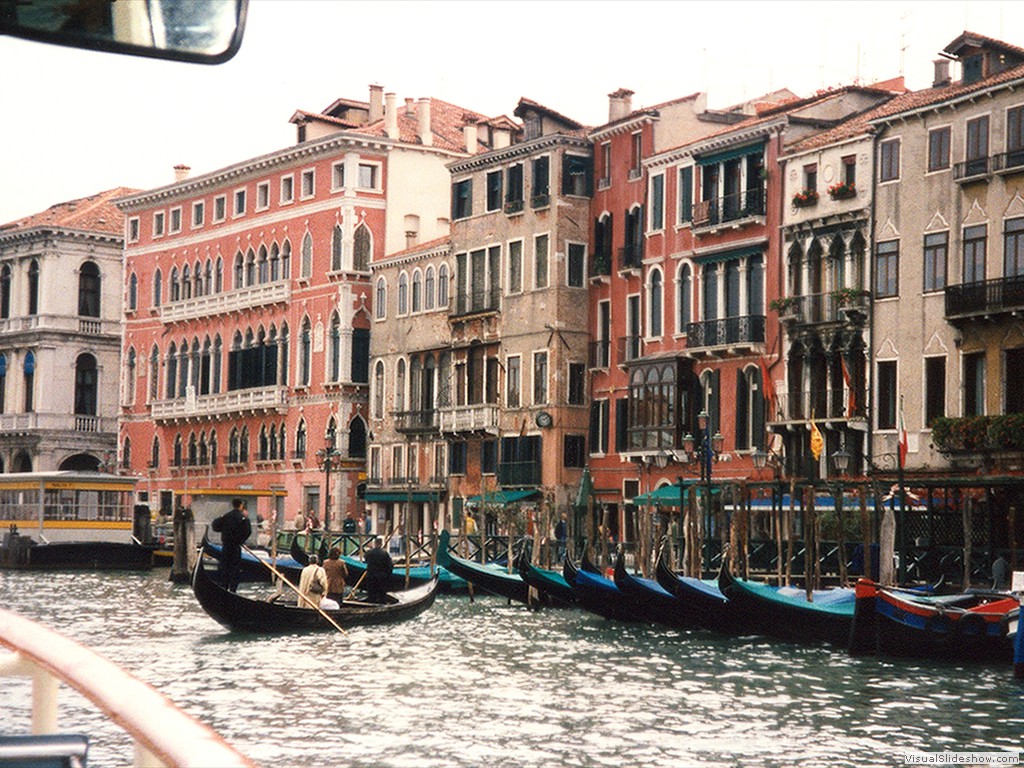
338, 176
975, 245
938, 148
198, 214
457, 458
976, 151
686, 194
1014, 137
811, 177
636, 156
622, 424
577, 176
577, 260
574, 453
577, 384
133, 229
307, 183
513, 381
657, 207
540, 261
887, 269
514, 189
936, 250
262, 195
599, 426
368, 176
540, 378
934, 389
175, 226
494, 190
240, 202
220, 208
287, 189
850, 170
889, 160
488, 457
462, 199
541, 192
1013, 248
158, 223
974, 384
515, 266
887, 394
606, 164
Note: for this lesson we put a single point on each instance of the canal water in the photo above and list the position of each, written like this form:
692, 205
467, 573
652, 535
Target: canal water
487, 684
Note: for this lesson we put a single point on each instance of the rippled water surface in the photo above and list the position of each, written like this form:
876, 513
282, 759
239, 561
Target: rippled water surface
488, 684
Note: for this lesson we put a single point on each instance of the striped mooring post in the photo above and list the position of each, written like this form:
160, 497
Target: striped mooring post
1018, 646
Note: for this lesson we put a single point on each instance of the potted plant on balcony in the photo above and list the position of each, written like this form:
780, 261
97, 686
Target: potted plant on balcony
843, 190
805, 198
788, 308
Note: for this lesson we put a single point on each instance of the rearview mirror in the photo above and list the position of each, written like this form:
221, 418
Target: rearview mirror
202, 31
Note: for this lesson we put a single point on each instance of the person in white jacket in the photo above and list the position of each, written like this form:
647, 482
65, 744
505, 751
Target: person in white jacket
312, 584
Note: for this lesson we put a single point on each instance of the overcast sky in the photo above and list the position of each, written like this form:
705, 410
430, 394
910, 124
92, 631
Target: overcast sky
75, 122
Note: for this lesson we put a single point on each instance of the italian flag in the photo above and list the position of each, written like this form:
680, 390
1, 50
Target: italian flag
903, 437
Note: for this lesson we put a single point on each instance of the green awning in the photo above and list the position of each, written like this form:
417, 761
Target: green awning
729, 255
731, 154
400, 496
668, 495
501, 497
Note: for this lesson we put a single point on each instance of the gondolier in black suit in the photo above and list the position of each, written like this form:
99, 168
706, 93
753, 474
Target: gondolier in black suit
234, 529
378, 571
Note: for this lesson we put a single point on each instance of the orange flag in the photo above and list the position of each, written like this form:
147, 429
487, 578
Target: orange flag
817, 441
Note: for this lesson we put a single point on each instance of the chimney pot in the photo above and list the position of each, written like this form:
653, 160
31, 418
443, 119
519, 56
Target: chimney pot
941, 73
409, 111
390, 115
426, 137
376, 103
181, 172
620, 104
469, 132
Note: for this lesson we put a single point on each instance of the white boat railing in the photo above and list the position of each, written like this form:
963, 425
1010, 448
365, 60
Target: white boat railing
164, 735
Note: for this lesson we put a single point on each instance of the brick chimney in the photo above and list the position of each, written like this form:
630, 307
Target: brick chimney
423, 131
376, 103
942, 77
181, 172
391, 115
620, 104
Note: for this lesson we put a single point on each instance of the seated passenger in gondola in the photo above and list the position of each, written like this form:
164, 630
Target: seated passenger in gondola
337, 572
312, 584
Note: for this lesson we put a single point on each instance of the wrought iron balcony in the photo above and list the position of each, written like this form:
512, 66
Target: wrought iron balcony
416, 421
831, 307
630, 348
822, 404
973, 169
987, 297
468, 418
601, 264
631, 256
730, 208
478, 300
600, 353
725, 332
1011, 160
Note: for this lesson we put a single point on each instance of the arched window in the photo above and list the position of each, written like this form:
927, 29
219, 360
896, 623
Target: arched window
250, 267
213, 448
172, 370
154, 373
403, 294
335, 347
204, 450
272, 434
417, 291
275, 263
233, 447
154, 453
684, 300
337, 247
218, 276
361, 246
208, 288
264, 266
174, 285
300, 440
186, 282
400, 385
307, 256
86, 389
193, 451
305, 352
655, 303
286, 260
381, 299
243, 445
281, 452
129, 389
378, 390
442, 286
177, 451
239, 271
133, 293
89, 290
5, 291
3, 383
158, 288
33, 287
428, 289
264, 453
215, 365
357, 439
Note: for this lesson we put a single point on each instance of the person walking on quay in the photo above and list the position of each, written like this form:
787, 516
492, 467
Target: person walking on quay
234, 529
562, 536
312, 583
378, 571
337, 572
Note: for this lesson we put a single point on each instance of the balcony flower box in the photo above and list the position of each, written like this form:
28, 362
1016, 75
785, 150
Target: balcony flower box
843, 191
805, 198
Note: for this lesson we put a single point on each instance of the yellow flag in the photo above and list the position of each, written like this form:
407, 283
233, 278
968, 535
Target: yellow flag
817, 441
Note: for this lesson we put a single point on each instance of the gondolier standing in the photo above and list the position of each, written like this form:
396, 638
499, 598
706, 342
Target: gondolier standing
234, 529
378, 570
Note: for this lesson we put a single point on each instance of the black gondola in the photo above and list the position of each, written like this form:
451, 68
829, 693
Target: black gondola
700, 601
490, 579
648, 598
253, 567
551, 585
599, 595
245, 614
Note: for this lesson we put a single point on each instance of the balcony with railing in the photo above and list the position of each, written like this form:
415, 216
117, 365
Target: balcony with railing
600, 353
847, 304
416, 422
90, 326
734, 209
601, 264
228, 301
256, 400
1010, 161
468, 418
821, 404
975, 169
630, 348
519, 474
57, 422
477, 300
1002, 295
726, 333
631, 256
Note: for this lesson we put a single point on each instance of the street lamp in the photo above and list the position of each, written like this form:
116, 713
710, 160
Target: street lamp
326, 459
841, 461
705, 452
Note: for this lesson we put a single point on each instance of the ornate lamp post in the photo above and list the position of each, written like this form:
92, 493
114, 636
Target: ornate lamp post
841, 461
705, 452
326, 459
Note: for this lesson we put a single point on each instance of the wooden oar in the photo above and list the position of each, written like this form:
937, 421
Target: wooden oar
282, 577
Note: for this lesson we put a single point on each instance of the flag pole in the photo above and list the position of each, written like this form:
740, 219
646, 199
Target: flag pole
901, 452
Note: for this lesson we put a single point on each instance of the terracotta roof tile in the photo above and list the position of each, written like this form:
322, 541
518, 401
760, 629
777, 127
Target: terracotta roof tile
95, 213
